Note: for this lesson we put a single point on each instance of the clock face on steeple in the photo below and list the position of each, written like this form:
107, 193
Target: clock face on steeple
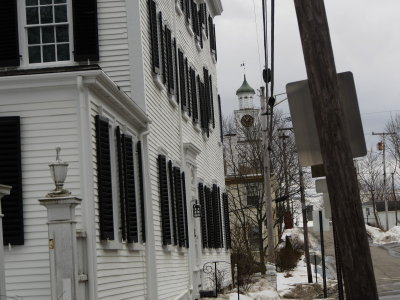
247, 120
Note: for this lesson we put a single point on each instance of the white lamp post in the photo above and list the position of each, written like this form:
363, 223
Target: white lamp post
62, 234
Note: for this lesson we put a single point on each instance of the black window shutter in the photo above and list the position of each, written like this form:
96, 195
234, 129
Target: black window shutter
183, 6
182, 85
121, 180
211, 98
206, 20
9, 50
220, 212
216, 210
203, 220
185, 210
141, 190
155, 56
10, 174
210, 218
86, 39
130, 191
195, 110
104, 185
162, 44
220, 119
174, 202
187, 10
176, 71
215, 43
179, 207
188, 88
170, 61
226, 221
163, 187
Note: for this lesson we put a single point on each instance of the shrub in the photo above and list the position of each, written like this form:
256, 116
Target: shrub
287, 257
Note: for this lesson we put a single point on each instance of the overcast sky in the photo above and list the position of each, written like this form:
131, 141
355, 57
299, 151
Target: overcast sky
365, 36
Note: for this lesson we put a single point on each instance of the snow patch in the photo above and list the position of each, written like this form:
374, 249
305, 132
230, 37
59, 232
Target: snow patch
383, 237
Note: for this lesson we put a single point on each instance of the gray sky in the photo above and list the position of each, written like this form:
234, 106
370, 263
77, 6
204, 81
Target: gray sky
365, 36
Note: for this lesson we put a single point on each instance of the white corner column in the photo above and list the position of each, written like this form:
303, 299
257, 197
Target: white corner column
62, 246
4, 190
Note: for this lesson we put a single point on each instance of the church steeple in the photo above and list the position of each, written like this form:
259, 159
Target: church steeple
245, 95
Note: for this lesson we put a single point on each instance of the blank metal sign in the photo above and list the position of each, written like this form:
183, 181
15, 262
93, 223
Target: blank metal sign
303, 120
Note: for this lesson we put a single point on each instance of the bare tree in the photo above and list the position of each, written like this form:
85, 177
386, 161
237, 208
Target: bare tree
243, 155
371, 180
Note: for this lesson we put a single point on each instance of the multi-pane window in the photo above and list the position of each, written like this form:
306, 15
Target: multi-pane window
47, 30
252, 190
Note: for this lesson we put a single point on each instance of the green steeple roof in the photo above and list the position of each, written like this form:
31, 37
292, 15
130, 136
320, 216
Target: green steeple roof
245, 88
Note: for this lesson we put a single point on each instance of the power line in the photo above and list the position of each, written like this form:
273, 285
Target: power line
258, 43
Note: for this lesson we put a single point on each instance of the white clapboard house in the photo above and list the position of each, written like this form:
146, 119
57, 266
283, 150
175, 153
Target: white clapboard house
127, 89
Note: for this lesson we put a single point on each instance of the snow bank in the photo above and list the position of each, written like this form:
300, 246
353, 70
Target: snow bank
384, 237
263, 295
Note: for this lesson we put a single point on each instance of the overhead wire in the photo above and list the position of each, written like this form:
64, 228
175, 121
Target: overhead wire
258, 42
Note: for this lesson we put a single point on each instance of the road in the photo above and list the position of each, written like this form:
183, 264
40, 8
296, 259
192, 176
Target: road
386, 261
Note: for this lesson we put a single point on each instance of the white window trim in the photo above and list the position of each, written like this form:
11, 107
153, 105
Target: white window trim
23, 40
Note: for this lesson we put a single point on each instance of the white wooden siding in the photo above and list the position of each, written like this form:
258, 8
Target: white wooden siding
121, 274
48, 119
172, 267
113, 42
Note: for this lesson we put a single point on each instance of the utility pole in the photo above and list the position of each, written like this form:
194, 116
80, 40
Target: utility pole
305, 227
336, 153
267, 180
394, 197
383, 135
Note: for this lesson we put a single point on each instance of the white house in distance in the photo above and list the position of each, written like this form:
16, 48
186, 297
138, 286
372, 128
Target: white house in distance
128, 90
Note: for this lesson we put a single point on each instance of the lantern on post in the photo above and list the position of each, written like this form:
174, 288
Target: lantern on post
380, 146
196, 210
58, 172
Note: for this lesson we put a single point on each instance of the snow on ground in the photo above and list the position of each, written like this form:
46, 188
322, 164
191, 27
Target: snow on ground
384, 237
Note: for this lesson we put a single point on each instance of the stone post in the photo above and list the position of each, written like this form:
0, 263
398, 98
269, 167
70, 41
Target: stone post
4, 190
62, 245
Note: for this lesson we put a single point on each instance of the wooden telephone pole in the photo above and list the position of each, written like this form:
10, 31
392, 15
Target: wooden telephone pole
340, 173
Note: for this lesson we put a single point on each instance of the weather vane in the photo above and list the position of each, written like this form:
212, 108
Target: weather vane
244, 67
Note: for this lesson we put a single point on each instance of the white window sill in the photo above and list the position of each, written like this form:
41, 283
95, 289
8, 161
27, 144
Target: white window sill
196, 127
185, 116
189, 28
172, 100
198, 46
203, 32
214, 59
205, 138
210, 128
157, 80
168, 248
181, 250
178, 8
114, 245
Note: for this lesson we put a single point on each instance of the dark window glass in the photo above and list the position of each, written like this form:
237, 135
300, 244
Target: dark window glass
60, 13
31, 2
46, 14
34, 35
45, 2
62, 52
34, 54
60, 1
49, 53
47, 34
32, 16
62, 33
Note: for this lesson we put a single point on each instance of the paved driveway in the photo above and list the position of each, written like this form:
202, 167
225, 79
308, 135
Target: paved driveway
386, 261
